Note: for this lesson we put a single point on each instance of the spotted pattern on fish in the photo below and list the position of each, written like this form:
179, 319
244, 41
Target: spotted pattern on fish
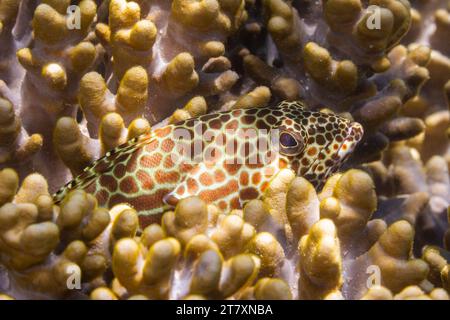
225, 158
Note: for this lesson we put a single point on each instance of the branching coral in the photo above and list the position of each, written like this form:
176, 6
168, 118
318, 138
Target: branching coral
41, 241
97, 101
56, 60
82, 61
392, 254
208, 253
17, 145
320, 262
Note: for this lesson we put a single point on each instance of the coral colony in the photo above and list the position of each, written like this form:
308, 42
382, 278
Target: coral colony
224, 149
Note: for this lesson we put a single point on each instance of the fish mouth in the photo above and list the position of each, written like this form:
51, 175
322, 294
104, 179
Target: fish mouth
354, 135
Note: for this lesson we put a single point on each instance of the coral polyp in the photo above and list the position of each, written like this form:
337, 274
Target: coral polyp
244, 149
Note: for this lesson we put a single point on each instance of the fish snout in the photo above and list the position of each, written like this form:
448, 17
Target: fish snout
354, 135
356, 132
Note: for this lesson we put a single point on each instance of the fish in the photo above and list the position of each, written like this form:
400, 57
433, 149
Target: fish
225, 158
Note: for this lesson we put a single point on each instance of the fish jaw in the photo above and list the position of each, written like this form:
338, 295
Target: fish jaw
332, 157
354, 136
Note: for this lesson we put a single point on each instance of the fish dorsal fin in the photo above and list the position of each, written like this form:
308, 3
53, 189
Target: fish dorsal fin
100, 166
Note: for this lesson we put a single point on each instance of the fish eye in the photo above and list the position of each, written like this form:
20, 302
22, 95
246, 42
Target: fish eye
287, 140
291, 143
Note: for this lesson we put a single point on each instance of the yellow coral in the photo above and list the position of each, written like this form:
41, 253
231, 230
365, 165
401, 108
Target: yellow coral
392, 254
352, 204
339, 76
189, 218
150, 278
320, 261
180, 76
232, 235
207, 279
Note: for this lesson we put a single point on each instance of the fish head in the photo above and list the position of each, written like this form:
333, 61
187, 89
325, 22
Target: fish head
316, 144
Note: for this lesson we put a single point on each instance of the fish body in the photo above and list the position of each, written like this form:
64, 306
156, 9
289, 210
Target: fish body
225, 158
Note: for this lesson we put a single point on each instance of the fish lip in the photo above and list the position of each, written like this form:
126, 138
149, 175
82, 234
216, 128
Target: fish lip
354, 135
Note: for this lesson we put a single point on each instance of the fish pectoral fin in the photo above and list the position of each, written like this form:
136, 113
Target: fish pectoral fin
171, 199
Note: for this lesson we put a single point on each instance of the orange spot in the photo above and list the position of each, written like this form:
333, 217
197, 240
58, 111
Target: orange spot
235, 203
264, 186
145, 179
167, 176
167, 145
184, 167
91, 188
151, 161
180, 190
232, 168
168, 163
256, 178
206, 179
312, 151
244, 178
222, 205
192, 186
283, 164
162, 132
219, 176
